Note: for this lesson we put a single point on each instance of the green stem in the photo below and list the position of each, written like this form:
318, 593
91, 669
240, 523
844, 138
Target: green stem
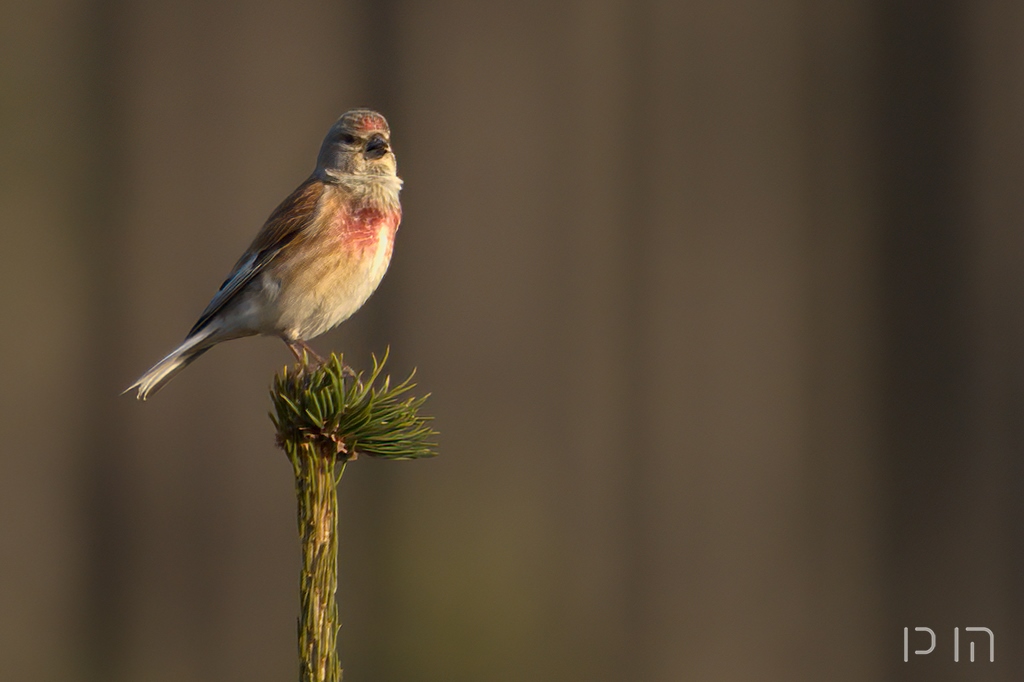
324, 416
317, 473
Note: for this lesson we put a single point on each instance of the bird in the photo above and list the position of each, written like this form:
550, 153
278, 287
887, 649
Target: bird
317, 259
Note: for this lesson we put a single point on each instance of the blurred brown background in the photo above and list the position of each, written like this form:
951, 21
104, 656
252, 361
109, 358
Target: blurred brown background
719, 303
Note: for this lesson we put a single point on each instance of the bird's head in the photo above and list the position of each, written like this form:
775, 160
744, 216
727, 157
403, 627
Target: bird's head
359, 143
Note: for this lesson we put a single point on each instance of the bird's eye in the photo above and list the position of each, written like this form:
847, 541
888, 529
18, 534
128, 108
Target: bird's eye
348, 139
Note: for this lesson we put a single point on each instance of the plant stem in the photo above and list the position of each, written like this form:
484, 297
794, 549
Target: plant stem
317, 473
325, 416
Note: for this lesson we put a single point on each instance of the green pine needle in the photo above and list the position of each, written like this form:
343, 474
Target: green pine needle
332, 409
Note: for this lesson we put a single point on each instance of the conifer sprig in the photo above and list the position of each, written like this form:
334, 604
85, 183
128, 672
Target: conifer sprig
326, 416
331, 408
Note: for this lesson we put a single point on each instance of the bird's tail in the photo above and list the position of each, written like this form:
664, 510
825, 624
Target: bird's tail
163, 371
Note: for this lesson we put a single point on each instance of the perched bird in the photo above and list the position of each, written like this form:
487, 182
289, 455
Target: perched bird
318, 257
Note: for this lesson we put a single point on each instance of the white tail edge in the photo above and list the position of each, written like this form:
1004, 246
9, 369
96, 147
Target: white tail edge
162, 372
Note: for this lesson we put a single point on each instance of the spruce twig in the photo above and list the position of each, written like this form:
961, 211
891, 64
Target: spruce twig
326, 417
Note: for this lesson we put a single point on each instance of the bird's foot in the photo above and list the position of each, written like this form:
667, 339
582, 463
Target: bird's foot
302, 352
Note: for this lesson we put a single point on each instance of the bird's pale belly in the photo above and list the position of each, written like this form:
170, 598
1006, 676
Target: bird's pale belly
316, 293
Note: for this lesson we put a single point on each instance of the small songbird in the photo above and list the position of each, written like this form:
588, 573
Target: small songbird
318, 257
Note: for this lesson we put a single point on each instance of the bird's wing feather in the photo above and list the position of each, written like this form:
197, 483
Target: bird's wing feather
284, 224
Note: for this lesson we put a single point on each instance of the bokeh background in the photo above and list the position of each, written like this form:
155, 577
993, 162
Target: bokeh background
719, 302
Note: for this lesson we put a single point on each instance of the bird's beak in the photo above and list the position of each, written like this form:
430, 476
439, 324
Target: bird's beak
377, 147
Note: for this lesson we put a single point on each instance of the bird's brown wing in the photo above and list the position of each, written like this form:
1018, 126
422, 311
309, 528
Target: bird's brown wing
283, 225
